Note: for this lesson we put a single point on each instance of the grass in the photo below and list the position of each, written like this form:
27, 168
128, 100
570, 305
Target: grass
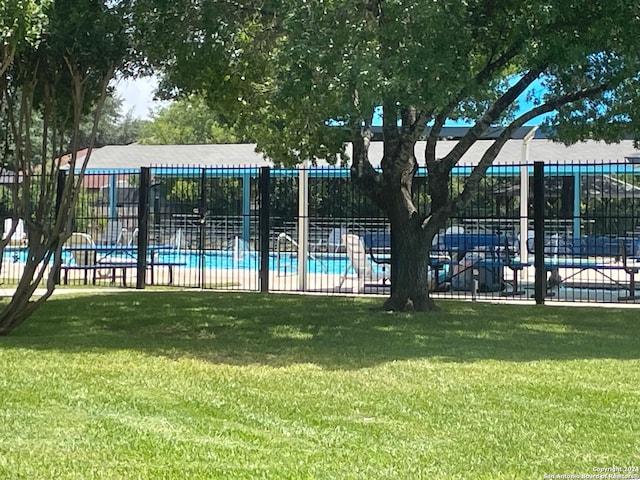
168, 385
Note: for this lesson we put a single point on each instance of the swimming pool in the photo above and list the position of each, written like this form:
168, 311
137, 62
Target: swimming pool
283, 263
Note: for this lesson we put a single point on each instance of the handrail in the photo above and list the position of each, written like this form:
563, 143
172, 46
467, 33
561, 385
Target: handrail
284, 238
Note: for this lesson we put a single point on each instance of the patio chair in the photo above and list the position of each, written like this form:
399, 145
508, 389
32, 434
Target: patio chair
82, 249
115, 233
84, 257
335, 240
176, 240
358, 261
19, 236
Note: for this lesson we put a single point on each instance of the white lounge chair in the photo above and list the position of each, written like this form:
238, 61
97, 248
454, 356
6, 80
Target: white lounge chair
115, 233
358, 261
19, 236
82, 249
84, 257
335, 240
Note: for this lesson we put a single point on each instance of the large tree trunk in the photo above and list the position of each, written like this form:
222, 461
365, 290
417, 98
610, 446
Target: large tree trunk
409, 273
412, 231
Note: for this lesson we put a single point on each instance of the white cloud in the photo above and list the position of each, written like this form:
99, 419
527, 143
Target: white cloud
137, 95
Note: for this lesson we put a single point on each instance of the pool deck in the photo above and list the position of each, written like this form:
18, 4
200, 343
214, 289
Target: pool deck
607, 286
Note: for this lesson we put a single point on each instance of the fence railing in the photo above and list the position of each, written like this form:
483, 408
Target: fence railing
549, 232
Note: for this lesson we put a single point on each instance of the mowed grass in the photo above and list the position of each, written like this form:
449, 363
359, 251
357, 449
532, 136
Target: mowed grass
173, 385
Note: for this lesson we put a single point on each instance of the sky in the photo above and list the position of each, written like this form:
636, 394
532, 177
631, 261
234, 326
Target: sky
137, 95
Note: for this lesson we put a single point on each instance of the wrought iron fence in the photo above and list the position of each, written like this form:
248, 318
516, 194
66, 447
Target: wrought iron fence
549, 232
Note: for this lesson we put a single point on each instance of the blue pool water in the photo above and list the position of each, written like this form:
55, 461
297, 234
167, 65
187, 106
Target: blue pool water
285, 263
228, 260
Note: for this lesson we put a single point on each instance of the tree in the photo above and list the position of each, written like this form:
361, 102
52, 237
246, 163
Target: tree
188, 121
114, 128
56, 69
21, 22
288, 71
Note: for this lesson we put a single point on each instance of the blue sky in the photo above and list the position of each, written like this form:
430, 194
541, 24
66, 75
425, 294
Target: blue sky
137, 95
525, 105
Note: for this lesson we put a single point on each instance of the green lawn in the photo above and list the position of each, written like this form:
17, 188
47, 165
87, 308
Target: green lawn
157, 385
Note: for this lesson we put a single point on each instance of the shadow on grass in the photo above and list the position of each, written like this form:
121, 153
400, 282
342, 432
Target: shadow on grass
333, 332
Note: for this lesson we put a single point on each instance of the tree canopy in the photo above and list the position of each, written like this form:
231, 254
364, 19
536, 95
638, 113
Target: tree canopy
58, 58
187, 121
288, 72
21, 24
286, 68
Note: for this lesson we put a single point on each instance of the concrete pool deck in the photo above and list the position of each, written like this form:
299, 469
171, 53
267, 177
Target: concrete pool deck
584, 287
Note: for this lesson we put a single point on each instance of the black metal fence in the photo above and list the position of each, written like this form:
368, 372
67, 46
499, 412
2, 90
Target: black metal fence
549, 232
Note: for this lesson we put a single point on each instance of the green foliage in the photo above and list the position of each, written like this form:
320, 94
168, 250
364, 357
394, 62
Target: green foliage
186, 122
339, 197
85, 210
222, 195
21, 26
114, 128
285, 69
52, 76
184, 191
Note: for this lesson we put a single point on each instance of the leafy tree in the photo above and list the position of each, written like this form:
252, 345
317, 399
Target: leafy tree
287, 71
56, 69
189, 121
114, 128
21, 23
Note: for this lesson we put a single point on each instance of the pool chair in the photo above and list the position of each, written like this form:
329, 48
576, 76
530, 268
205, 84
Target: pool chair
359, 263
115, 233
335, 240
19, 236
82, 248
86, 256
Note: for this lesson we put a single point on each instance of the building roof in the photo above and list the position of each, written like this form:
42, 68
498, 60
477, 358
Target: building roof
133, 157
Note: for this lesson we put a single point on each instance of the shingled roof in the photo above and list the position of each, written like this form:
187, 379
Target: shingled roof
124, 157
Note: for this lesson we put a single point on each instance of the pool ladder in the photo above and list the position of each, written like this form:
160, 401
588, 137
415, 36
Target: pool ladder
283, 238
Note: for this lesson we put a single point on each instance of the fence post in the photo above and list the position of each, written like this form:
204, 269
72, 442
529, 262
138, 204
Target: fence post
202, 225
303, 225
143, 226
524, 213
264, 221
538, 227
246, 206
61, 181
394, 257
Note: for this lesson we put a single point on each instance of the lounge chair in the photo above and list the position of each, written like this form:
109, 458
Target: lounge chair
82, 248
84, 257
115, 233
19, 236
335, 240
358, 262
175, 241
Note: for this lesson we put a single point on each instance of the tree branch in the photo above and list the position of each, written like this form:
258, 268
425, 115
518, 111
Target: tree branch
362, 172
486, 73
479, 171
490, 116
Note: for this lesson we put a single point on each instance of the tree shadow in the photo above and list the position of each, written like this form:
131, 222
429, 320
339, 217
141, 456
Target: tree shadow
332, 332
